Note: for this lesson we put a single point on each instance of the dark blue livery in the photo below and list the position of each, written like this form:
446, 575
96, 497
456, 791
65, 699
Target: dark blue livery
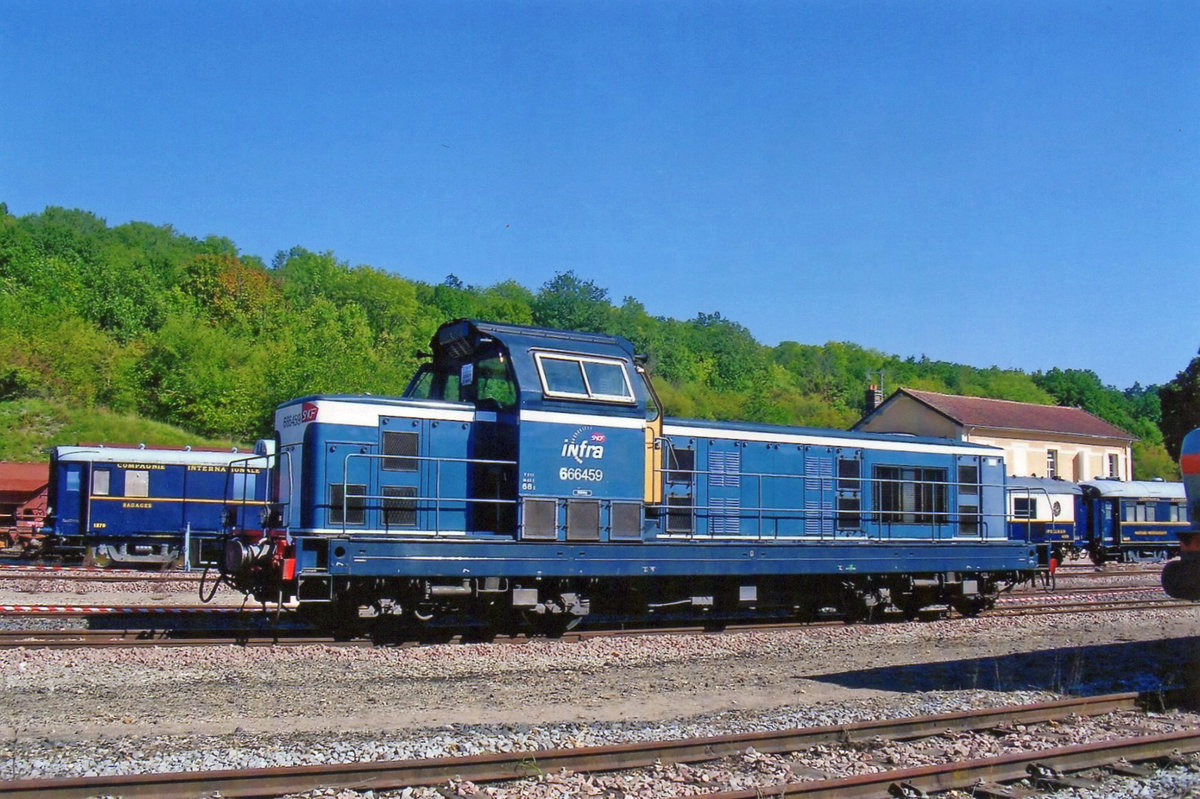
528, 475
141, 506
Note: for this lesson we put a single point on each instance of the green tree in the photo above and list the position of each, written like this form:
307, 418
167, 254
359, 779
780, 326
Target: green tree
1180, 405
570, 303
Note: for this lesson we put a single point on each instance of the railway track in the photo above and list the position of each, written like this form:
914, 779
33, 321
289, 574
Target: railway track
509, 766
93, 574
263, 634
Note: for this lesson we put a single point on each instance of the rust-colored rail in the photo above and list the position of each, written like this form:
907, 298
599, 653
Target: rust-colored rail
967, 773
509, 766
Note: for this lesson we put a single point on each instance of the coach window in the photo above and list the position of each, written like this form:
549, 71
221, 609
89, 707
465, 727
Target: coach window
100, 482
137, 483
1024, 507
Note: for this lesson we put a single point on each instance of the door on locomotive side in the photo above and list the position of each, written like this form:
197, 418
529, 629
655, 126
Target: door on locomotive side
583, 443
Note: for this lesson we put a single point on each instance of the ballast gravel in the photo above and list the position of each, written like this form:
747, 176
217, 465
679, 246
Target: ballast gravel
77, 712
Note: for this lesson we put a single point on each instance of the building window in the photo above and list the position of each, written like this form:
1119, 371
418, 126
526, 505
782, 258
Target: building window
1114, 466
1052, 463
906, 495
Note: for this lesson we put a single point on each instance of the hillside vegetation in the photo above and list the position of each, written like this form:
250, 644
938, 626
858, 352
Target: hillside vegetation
29, 426
149, 324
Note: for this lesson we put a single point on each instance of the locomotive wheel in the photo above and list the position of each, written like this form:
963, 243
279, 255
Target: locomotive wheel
98, 557
553, 625
972, 606
909, 607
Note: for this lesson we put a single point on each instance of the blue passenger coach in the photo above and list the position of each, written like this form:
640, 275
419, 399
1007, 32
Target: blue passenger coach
140, 506
1134, 520
528, 475
1048, 513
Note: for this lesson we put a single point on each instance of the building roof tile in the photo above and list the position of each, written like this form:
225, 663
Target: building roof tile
1006, 414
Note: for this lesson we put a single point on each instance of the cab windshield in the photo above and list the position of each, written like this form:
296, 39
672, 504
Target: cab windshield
487, 382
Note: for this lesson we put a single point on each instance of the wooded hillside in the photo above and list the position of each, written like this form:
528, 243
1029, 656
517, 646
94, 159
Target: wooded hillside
140, 319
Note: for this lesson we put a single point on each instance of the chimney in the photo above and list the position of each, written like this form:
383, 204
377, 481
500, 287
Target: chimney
874, 397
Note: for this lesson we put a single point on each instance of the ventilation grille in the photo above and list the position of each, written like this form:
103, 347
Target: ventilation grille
724, 469
538, 519
818, 506
402, 444
399, 506
724, 519
626, 520
583, 520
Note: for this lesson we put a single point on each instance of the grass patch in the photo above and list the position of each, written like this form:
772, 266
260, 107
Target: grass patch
30, 427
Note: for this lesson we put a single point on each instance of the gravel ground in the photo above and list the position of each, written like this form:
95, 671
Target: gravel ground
73, 712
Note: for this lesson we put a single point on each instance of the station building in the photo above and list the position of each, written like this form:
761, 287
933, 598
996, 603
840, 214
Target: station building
1038, 440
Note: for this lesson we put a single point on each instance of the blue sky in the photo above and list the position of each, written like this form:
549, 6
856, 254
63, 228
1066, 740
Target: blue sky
1007, 183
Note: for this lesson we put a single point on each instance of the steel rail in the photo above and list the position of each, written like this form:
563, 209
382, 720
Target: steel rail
132, 639
47, 609
387, 775
969, 773
191, 636
1098, 606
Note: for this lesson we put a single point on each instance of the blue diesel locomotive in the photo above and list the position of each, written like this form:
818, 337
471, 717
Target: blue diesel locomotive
1181, 577
528, 476
138, 506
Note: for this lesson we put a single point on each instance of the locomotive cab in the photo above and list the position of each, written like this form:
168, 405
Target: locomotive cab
589, 406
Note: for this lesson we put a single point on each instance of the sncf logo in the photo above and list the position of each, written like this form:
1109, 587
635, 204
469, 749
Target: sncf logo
580, 446
307, 413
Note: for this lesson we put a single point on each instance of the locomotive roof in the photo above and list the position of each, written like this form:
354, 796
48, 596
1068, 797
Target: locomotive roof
149, 455
1135, 489
1050, 485
774, 431
522, 337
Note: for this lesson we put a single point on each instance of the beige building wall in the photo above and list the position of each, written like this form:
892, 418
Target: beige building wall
1077, 460
1024, 455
